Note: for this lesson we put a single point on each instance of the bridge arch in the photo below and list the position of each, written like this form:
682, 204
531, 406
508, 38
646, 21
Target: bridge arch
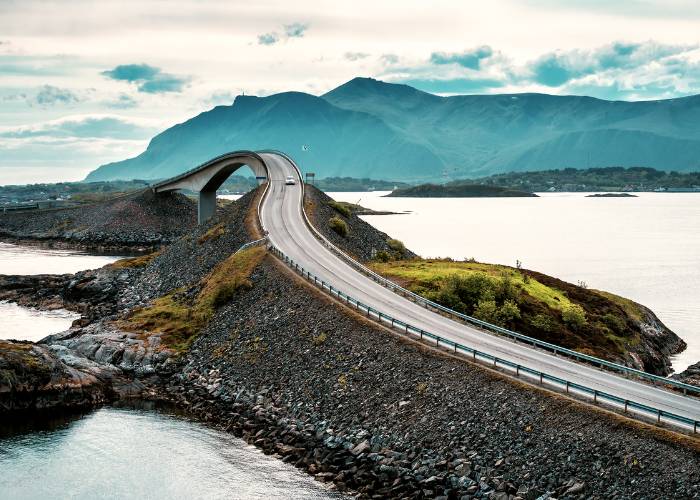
209, 176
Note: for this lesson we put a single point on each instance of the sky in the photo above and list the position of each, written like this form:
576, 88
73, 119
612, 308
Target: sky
83, 83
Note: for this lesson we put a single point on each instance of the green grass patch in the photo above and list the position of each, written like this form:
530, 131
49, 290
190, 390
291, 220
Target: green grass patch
428, 274
179, 317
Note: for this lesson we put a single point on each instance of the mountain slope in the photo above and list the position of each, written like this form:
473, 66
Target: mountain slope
341, 141
369, 128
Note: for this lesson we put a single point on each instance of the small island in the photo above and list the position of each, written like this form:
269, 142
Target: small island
611, 195
459, 191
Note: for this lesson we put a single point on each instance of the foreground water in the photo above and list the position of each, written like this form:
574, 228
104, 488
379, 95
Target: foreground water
645, 248
130, 453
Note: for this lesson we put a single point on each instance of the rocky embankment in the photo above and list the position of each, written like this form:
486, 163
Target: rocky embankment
362, 240
137, 221
357, 406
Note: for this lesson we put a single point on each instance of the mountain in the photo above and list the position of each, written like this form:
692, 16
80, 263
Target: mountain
369, 128
341, 141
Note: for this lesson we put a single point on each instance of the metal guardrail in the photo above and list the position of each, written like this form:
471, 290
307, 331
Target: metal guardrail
251, 244
428, 304
562, 385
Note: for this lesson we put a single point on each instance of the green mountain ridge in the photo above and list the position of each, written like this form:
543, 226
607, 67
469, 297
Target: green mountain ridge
369, 128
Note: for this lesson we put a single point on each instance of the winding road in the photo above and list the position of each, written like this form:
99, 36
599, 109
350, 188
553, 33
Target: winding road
282, 217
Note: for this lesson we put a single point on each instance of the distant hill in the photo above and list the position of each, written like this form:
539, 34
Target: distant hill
594, 179
368, 128
458, 191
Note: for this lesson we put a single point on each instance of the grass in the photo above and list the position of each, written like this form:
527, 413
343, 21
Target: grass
213, 234
428, 274
605, 325
339, 226
341, 207
179, 317
134, 262
627, 305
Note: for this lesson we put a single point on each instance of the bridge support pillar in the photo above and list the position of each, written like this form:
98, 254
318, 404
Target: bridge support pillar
206, 206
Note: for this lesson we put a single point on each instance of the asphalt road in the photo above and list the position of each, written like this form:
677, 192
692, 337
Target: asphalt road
282, 217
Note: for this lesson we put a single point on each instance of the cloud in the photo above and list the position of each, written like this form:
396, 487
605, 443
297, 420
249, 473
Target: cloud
295, 30
85, 126
469, 58
355, 56
268, 38
49, 95
123, 101
389, 59
149, 79
558, 68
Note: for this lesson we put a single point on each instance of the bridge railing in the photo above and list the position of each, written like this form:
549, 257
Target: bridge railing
627, 406
434, 306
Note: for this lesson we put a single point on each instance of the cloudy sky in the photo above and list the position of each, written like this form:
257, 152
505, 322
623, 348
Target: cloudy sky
85, 82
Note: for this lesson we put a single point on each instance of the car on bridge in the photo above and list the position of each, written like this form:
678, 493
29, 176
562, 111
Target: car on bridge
289, 180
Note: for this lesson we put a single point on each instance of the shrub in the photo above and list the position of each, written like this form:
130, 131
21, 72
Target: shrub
574, 316
339, 226
615, 323
542, 322
382, 256
486, 310
341, 208
396, 245
508, 312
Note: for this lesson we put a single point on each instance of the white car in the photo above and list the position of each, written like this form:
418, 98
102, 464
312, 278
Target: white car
289, 180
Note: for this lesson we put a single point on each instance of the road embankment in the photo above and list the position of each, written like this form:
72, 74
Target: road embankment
300, 376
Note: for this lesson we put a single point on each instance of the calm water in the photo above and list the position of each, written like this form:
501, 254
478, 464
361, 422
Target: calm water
129, 453
645, 248
16, 259
20, 323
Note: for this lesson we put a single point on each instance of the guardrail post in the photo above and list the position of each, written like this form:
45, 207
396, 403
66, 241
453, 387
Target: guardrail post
517, 370
595, 396
658, 418
541, 378
626, 403
421, 334
695, 427
567, 387
494, 361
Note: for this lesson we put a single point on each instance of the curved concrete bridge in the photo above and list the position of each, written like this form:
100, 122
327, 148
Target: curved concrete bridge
208, 177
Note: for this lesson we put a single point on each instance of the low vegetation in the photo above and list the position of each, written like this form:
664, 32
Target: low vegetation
459, 191
593, 179
213, 234
135, 262
341, 207
339, 226
590, 321
180, 315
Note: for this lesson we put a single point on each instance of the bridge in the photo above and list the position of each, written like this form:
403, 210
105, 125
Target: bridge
292, 237
208, 177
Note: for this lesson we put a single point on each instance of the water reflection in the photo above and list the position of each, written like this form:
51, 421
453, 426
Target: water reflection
139, 453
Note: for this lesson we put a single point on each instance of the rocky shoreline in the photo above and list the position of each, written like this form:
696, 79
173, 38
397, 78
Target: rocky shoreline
301, 377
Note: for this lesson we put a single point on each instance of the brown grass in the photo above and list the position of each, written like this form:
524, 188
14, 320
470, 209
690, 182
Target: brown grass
179, 318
